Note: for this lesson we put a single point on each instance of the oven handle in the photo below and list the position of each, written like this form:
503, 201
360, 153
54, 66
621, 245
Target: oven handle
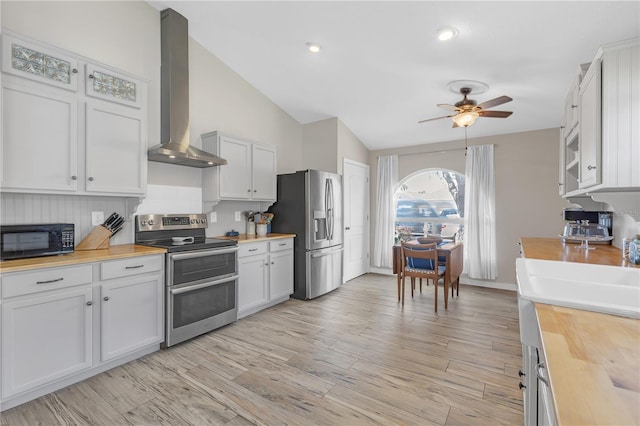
208, 284
203, 253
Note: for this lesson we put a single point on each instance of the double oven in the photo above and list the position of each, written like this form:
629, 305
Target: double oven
201, 274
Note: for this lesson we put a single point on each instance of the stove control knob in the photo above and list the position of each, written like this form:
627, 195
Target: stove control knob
193, 221
143, 222
150, 222
202, 220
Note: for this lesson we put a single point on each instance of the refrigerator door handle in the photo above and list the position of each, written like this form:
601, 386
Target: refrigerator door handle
330, 209
327, 209
327, 253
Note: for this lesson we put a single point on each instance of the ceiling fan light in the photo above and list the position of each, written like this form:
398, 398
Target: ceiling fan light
465, 119
447, 33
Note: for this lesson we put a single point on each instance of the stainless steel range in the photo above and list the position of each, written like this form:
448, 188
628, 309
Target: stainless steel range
201, 274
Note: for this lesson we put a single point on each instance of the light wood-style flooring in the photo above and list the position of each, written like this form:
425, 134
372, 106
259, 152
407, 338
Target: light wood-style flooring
354, 356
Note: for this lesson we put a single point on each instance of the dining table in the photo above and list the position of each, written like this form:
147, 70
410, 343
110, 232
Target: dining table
451, 251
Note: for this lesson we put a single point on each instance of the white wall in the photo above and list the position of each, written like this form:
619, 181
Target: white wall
321, 145
527, 200
350, 147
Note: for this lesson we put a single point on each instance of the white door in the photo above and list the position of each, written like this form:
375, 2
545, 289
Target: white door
116, 149
264, 173
235, 177
131, 315
45, 338
356, 219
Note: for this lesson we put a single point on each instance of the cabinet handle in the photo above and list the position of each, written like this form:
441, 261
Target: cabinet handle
282, 244
74, 177
590, 167
574, 106
521, 386
90, 75
347, 228
266, 264
89, 303
272, 263
134, 267
255, 249
248, 190
255, 190
90, 178
50, 281
560, 184
520, 373
539, 368
106, 298
75, 71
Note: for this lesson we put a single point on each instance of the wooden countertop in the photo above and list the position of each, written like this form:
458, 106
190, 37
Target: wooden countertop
555, 249
77, 257
244, 238
593, 359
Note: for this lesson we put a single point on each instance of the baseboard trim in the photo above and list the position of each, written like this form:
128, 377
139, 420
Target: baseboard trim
463, 280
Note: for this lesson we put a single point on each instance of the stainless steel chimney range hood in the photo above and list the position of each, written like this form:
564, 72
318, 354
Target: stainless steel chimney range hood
174, 98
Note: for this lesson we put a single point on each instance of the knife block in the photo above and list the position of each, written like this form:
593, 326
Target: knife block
97, 239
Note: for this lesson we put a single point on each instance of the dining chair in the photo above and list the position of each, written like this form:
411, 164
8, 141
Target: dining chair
421, 261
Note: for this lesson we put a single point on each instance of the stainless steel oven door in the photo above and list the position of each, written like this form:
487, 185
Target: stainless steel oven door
199, 265
195, 309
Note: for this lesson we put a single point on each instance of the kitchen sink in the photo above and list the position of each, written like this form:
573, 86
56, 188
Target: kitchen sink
608, 289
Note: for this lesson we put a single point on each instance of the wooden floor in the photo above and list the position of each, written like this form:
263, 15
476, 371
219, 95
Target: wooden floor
354, 356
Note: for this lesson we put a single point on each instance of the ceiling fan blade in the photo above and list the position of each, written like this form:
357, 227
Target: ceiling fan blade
495, 102
449, 107
437, 118
496, 114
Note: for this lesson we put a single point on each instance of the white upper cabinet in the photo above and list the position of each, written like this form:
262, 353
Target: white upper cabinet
263, 173
116, 142
249, 175
602, 153
590, 127
40, 154
113, 86
621, 116
39, 63
63, 137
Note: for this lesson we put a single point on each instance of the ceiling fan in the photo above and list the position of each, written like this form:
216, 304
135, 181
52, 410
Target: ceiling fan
467, 110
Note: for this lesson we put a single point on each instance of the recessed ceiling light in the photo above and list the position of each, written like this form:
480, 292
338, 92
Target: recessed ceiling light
313, 47
447, 33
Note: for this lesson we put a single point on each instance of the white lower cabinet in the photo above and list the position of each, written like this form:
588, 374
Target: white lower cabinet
266, 275
45, 338
131, 316
62, 325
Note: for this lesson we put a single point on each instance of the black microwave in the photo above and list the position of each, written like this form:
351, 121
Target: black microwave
20, 241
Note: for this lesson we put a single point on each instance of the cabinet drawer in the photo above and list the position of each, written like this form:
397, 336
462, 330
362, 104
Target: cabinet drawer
278, 245
131, 266
251, 249
22, 283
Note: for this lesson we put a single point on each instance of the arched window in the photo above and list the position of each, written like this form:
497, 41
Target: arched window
430, 202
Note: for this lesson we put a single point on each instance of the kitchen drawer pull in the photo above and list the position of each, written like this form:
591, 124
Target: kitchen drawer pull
134, 267
89, 303
50, 281
91, 76
74, 177
254, 249
106, 298
189, 288
282, 244
215, 252
590, 167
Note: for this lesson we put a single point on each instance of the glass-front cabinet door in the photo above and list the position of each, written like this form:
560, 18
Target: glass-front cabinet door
113, 86
39, 63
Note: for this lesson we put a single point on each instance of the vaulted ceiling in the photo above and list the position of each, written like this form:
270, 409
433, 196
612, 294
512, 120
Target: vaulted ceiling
381, 67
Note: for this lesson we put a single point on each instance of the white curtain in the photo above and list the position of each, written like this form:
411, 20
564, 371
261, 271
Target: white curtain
384, 230
480, 218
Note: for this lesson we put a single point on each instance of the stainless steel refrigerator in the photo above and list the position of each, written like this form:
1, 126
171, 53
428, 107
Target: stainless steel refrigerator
310, 205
